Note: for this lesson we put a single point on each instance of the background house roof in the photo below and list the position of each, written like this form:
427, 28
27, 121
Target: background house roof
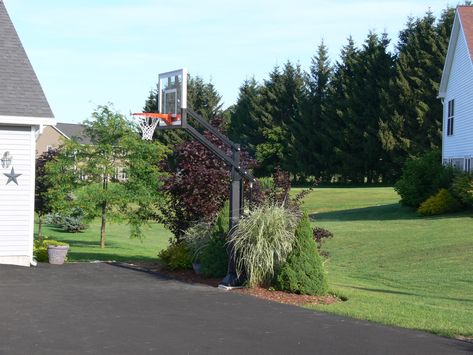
466, 16
73, 131
20, 91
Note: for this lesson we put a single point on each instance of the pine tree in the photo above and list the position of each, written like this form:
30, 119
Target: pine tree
339, 107
316, 130
245, 126
281, 109
413, 122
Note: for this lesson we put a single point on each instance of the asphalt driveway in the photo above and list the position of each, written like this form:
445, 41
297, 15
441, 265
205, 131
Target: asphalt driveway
105, 309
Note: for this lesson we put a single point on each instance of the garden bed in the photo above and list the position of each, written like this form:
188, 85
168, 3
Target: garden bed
189, 276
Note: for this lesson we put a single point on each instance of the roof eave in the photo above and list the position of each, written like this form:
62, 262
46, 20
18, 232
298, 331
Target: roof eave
449, 58
27, 121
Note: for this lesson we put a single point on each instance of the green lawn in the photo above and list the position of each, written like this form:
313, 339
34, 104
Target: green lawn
395, 267
118, 246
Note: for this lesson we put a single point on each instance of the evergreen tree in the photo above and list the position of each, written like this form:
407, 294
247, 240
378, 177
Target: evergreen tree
340, 108
282, 100
245, 126
316, 131
413, 122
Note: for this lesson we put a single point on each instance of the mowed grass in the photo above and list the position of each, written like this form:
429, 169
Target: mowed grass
118, 245
395, 267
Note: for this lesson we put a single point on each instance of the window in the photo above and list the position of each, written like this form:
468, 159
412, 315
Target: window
467, 164
450, 117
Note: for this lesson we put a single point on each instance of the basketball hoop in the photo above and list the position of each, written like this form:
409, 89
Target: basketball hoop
149, 121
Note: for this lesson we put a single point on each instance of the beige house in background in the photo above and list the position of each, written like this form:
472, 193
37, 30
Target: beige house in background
53, 136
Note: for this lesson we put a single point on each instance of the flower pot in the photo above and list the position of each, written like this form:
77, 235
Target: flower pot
57, 254
197, 268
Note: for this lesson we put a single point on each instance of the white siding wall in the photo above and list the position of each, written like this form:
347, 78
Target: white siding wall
459, 88
17, 201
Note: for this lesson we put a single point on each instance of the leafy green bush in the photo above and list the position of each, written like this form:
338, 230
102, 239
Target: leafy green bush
442, 202
422, 177
176, 256
214, 258
40, 248
462, 188
303, 272
261, 242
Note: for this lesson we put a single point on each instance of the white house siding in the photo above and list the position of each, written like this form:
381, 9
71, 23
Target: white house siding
459, 146
17, 201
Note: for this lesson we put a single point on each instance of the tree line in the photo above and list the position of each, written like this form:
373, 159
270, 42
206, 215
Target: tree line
356, 120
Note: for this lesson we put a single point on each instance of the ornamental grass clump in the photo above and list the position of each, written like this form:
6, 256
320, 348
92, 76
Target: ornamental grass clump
262, 241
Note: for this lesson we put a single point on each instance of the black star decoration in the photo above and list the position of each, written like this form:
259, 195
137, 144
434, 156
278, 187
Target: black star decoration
12, 176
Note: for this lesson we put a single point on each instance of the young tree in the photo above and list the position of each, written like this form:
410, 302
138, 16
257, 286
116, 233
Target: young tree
87, 173
42, 203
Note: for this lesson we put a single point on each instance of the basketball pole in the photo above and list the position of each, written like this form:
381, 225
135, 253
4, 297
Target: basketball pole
236, 184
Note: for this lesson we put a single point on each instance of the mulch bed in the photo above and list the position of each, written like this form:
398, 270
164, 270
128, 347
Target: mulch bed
189, 276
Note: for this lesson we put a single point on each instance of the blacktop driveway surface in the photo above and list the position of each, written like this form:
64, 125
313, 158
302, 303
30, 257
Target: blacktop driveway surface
105, 309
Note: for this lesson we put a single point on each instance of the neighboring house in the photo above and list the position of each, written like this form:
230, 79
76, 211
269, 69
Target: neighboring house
24, 111
456, 92
53, 136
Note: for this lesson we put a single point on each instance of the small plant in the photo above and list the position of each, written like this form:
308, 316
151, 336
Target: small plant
196, 238
320, 235
303, 272
262, 241
442, 202
176, 256
214, 258
40, 248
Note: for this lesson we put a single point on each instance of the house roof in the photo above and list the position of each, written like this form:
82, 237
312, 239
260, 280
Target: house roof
466, 17
21, 94
73, 131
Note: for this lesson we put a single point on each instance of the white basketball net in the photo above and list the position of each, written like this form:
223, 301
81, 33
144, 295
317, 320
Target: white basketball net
148, 126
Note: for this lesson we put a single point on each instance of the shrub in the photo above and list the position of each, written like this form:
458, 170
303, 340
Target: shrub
196, 239
442, 202
423, 177
176, 256
462, 188
40, 248
72, 222
319, 235
214, 258
261, 242
303, 272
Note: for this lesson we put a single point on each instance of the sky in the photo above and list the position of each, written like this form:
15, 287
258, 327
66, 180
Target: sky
94, 52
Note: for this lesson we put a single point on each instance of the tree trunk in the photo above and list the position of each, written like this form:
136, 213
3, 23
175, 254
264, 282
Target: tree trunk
104, 213
102, 227
40, 228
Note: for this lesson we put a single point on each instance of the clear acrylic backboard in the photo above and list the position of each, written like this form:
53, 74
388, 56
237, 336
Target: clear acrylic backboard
172, 94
